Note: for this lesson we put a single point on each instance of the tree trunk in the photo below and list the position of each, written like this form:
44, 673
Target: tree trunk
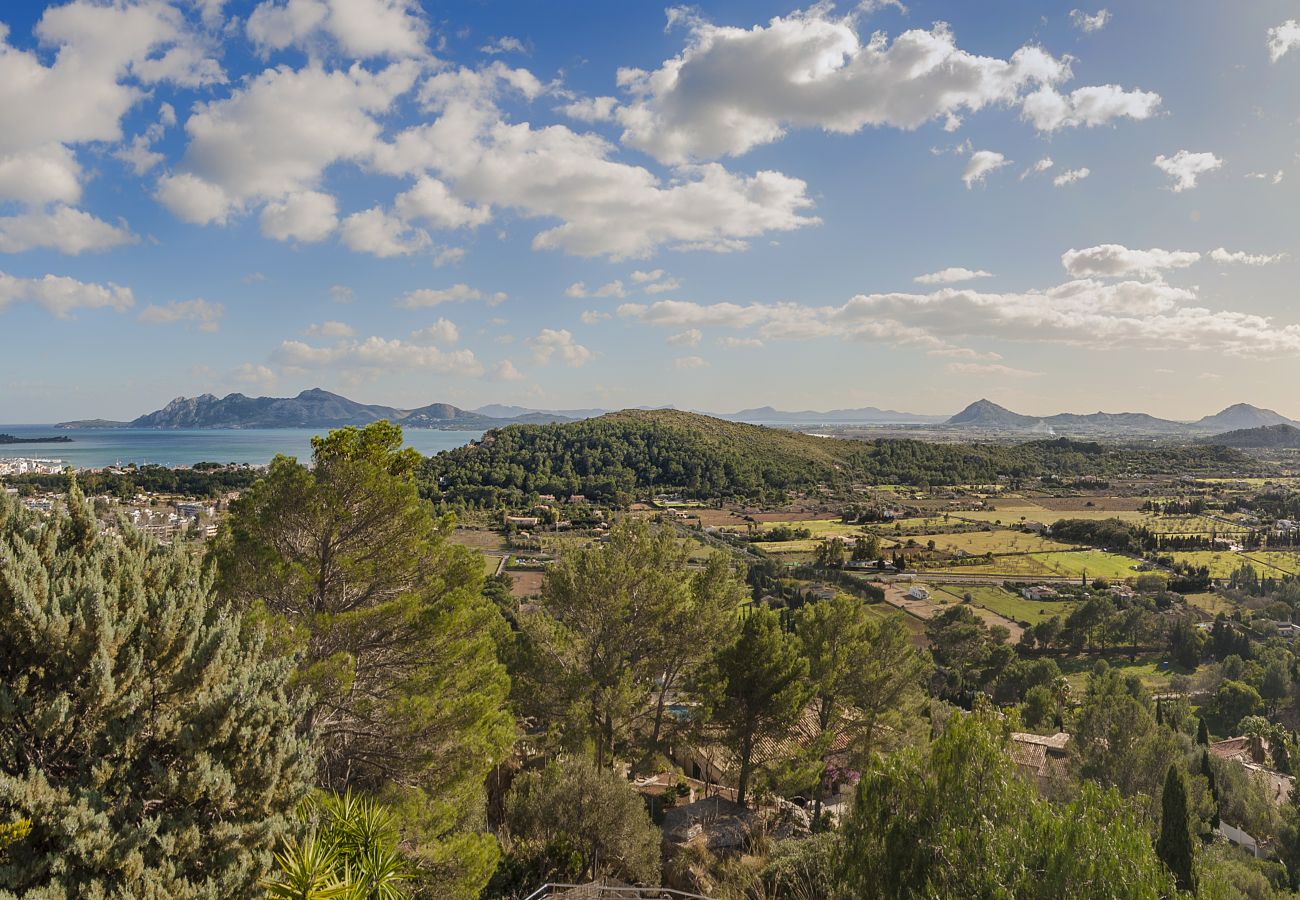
742, 783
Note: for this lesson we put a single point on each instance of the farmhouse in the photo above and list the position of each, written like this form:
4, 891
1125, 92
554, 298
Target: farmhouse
919, 593
1040, 592
1039, 757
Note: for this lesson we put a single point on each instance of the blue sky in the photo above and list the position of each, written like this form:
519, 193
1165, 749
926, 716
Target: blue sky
715, 207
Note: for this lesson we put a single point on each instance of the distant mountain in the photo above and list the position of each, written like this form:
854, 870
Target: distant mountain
1240, 417
524, 414
987, 414
1265, 437
867, 415
314, 408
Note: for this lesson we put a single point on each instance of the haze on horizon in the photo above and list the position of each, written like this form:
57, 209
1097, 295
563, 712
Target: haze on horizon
734, 205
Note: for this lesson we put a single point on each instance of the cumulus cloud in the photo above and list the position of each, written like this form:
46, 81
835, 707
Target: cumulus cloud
1185, 168
1283, 38
1048, 110
443, 331
732, 89
62, 296
505, 371
952, 275
1089, 23
591, 109
690, 362
981, 164
308, 216
663, 286
594, 316
202, 313
341, 293
1070, 176
504, 44
1118, 261
1041, 166
559, 343
688, 338
1240, 257
381, 234
736, 343
330, 329
276, 136
358, 28
457, 293
62, 228
254, 373
379, 353
578, 290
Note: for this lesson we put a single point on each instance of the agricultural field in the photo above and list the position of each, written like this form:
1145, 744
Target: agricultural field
1072, 564
1223, 563
1006, 604
978, 543
1153, 670
1209, 603
1012, 514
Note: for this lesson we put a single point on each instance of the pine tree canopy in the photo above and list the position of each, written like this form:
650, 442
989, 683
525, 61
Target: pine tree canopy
145, 735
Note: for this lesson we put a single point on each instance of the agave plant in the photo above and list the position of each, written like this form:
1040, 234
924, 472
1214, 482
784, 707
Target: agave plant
349, 852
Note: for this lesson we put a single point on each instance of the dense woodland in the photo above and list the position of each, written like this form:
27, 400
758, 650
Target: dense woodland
332, 701
204, 480
616, 456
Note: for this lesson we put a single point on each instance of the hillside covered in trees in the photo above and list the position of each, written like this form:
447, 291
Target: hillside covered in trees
617, 455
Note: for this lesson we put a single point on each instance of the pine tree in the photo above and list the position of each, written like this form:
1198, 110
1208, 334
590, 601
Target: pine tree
1174, 846
761, 688
394, 637
151, 744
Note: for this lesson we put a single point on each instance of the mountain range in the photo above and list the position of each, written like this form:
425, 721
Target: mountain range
985, 414
316, 408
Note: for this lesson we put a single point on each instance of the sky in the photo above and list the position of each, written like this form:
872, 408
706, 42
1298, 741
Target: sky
902, 205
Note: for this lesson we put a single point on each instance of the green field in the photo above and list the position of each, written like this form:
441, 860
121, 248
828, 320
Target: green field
978, 543
1074, 564
1223, 563
1153, 671
1005, 603
1209, 602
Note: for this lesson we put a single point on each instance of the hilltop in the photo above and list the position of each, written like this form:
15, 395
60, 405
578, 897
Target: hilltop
621, 454
1266, 437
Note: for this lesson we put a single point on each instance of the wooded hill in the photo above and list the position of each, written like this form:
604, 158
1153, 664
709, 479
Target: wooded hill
615, 456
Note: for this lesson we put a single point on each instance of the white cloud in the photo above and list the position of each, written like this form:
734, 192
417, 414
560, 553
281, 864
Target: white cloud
578, 290
951, 275
359, 28
690, 362
457, 293
663, 287
1070, 176
1275, 178
443, 331
253, 373
640, 276
591, 109
203, 313
981, 164
305, 216
593, 316
505, 44
341, 293
1185, 168
277, 135
689, 338
1118, 261
559, 343
63, 228
735, 343
48, 174
62, 296
379, 353
1283, 38
1048, 109
431, 202
732, 89
1150, 315
376, 232
505, 371
330, 329
988, 370
1088, 23
1240, 257
1041, 166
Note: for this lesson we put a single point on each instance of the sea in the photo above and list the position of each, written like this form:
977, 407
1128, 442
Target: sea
94, 448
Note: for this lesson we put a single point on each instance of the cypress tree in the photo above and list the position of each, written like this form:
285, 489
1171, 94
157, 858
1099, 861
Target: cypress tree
1208, 771
149, 743
1202, 732
1174, 846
